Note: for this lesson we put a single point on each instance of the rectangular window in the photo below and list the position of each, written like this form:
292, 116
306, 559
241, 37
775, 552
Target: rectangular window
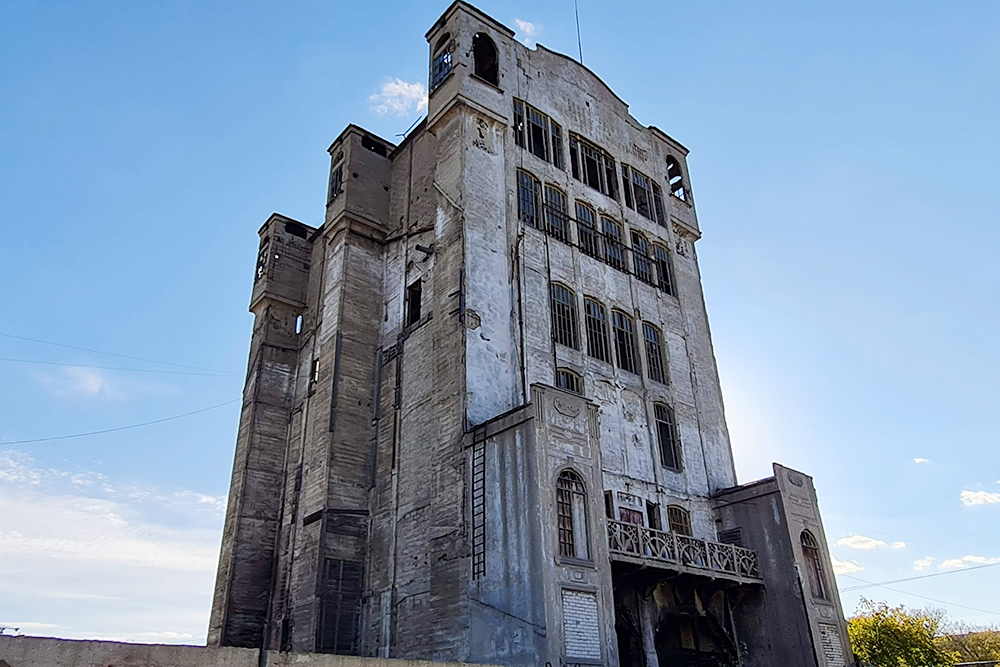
519, 123
664, 270
413, 303
556, 214
574, 156
640, 259
341, 600
614, 250
563, 316
597, 331
586, 230
654, 353
661, 217
624, 335
627, 515
642, 193
653, 515
609, 505
527, 198
314, 372
679, 520
666, 435
537, 134
336, 182
441, 68
627, 186
592, 165
556, 144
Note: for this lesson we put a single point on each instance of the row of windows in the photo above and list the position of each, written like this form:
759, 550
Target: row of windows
650, 261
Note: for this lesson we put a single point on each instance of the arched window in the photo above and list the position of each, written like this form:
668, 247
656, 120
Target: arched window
564, 316
529, 192
814, 566
571, 510
569, 380
441, 67
484, 53
675, 177
679, 520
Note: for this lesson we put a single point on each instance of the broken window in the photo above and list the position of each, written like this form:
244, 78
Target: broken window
653, 516
374, 146
341, 607
571, 509
262, 256
592, 165
664, 269
609, 505
519, 123
614, 249
413, 303
528, 192
640, 258
624, 334
586, 231
675, 177
563, 316
642, 194
627, 186
661, 217
814, 566
666, 436
535, 131
556, 215
556, 144
537, 135
597, 330
654, 353
441, 66
679, 520
568, 380
486, 62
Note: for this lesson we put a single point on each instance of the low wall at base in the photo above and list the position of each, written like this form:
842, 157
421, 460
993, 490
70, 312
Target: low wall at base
50, 652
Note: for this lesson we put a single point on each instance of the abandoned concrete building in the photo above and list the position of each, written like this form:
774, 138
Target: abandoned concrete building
482, 419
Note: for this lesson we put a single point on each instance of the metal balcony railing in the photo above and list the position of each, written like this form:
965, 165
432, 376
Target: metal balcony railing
648, 544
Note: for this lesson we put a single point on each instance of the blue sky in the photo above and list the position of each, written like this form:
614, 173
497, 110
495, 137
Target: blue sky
843, 163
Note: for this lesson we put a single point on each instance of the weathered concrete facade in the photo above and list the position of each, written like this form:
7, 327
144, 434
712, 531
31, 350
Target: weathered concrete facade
482, 419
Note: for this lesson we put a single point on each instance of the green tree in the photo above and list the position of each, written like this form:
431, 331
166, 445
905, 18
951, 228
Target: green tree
895, 637
965, 643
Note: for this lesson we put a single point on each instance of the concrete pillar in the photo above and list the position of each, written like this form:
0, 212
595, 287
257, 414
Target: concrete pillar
647, 621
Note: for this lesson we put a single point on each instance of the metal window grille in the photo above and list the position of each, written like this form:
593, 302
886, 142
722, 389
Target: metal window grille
593, 166
537, 134
556, 214
441, 68
586, 232
654, 353
597, 330
614, 249
640, 258
568, 485
664, 269
814, 566
642, 194
568, 380
666, 435
341, 607
479, 505
519, 123
563, 316
679, 520
624, 335
527, 198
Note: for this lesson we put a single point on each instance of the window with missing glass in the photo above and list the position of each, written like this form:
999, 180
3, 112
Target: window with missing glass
675, 178
592, 165
666, 436
597, 330
623, 332
568, 380
556, 213
563, 315
528, 195
586, 230
661, 216
642, 194
814, 565
538, 133
614, 249
655, 365
640, 259
664, 269
441, 67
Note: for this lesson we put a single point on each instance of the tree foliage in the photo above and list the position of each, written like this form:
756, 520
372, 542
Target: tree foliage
884, 636
965, 643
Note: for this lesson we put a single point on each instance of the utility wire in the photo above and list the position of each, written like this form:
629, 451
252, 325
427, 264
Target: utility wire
115, 354
923, 597
111, 368
923, 576
120, 428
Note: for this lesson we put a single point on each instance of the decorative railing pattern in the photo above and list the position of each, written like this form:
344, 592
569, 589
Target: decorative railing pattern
634, 540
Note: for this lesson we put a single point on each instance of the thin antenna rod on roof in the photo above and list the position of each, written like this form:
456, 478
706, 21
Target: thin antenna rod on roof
579, 42
419, 118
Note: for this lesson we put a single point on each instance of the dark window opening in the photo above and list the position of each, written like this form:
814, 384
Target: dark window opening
640, 258
557, 154
571, 513
609, 505
568, 380
666, 436
814, 565
654, 353
627, 186
732, 536
574, 156
314, 372
528, 191
675, 177
519, 123
413, 303
484, 53
536, 135
632, 516
642, 194
661, 217
679, 520
597, 330
563, 316
295, 229
338, 627
664, 270
373, 146
586, 231
624, 335
592, 165
262, 261
336, 182
442, 61
556, 214
653, 515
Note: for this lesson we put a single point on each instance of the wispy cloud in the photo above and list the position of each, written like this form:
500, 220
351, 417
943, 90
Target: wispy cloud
923, 563
528, 31
86, 382
846, 566
899, 545
860, 542
921, 460
972, 498
399, 98
958, 563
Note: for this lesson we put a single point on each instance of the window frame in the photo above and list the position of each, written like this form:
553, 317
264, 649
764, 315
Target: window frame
664, 269
656, 364
587, 234
641, 264
550, 133
667, 435
483, 70
614, 248
442, 55
564, 316
624, 342
604, 165
555, 207
679, 520
531, 218
675, 179
571, 493
575, 386
813, 556
598, 340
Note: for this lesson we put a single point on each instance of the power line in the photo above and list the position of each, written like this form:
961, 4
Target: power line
115, 354
120, 428
112, 368
923, 576
923, 597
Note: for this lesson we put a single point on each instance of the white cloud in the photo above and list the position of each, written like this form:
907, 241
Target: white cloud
921, 460
958, 563
845, 566
899, 545
529, 30
399, 98
860, 542
971, 498
924, 563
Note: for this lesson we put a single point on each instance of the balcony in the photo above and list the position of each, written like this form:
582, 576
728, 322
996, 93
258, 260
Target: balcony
637, 544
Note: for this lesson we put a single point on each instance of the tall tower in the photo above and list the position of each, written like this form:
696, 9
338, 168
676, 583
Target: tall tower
483, 420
